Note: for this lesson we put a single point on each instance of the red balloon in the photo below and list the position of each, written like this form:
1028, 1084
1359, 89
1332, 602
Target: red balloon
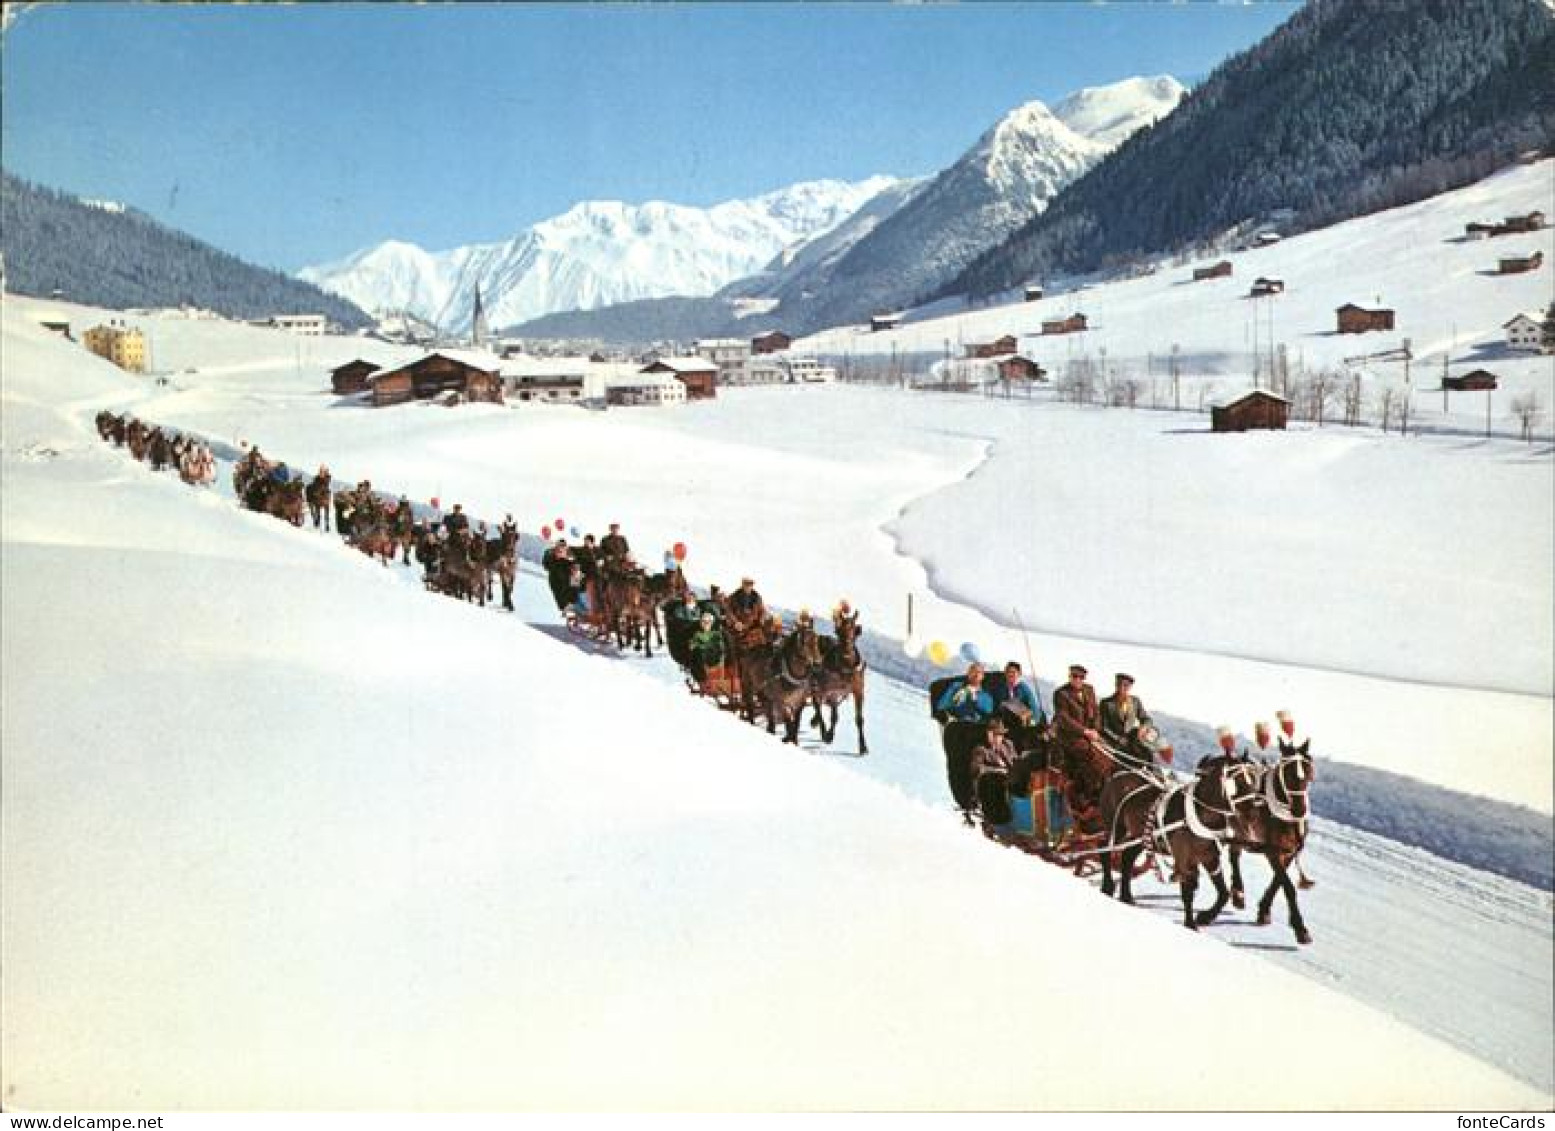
679, 550
545, 532
560, 525
435, 502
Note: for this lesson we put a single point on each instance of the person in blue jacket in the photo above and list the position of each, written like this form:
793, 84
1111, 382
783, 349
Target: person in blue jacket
966, 698
1015, 695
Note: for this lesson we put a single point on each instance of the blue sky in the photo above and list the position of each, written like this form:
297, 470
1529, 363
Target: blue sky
296, 134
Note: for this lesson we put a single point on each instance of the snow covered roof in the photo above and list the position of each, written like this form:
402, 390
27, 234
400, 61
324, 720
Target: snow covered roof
1246, 394
684, 364
1521, 316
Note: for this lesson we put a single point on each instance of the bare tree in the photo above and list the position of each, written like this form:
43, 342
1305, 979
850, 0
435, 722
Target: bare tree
1387, 405
1079, 381
1325, 386
1127, 390
1527, 409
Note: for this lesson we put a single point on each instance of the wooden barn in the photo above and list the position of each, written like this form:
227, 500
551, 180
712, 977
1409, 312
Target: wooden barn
1469, 382
697, 374
1531, 222
1263, 287
1253, 410
1517, 264
773, 341
1071, 325
351, 377
1221, 270
878, 322
1359, 320
467, 376
1032, 292
1000, 347
1015, 368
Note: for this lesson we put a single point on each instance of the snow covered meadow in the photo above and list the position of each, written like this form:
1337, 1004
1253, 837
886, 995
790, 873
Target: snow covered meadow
283, 831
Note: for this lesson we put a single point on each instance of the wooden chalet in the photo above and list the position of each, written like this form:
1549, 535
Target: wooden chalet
1071, 325
351, 377
773, 341
467, 377
1531, 222
1354, 319
1256, 409
1221, 270
1032, 292
1469, 382
878, 322
1262, 287
1477, 230
1000, 347
1015, 368
697, 374
1518, 264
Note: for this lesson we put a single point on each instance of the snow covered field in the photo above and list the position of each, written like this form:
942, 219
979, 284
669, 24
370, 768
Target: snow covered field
282, 831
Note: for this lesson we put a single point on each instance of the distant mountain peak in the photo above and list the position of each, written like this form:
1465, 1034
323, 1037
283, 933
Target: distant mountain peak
596, 253
1109, 114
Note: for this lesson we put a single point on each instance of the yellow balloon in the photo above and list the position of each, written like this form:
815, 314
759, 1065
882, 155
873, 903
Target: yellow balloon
939, 652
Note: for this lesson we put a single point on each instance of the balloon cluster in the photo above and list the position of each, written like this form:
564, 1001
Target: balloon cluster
939, 652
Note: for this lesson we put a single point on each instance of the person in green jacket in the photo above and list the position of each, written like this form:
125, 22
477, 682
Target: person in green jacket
706, 648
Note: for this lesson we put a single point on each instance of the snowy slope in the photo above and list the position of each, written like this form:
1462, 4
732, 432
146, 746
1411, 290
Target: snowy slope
360, 846
1413, 259
596, 253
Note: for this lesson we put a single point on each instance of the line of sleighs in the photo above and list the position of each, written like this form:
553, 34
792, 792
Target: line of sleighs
161, 448
1071, 801
1082, 794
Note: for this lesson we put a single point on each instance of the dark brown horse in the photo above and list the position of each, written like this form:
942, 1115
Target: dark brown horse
791, 681
630, 612
750, 650
318, 494
841, 677
280, 500
1191, 822
502, 557
1276, 828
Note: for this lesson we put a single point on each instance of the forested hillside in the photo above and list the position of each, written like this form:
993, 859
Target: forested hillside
121, 258
1352, 106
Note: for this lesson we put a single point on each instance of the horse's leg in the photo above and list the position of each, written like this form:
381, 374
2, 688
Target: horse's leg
858, 720
1266, 901
1238, 892
1126, 866
1222, 894
1106, 875
1297, 925
1189, 886
1303, 881
792, 716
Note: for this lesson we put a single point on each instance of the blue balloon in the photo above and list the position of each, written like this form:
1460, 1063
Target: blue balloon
970, 653
573, 531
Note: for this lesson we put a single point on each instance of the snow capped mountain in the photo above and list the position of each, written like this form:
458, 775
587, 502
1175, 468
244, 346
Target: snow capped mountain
595, 254
1109, 114
1004, 180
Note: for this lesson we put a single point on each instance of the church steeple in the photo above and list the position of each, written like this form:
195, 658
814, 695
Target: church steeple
478, 328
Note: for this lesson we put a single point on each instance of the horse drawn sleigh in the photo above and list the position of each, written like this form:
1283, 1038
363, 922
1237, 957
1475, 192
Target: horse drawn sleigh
754, 665
1114, 807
